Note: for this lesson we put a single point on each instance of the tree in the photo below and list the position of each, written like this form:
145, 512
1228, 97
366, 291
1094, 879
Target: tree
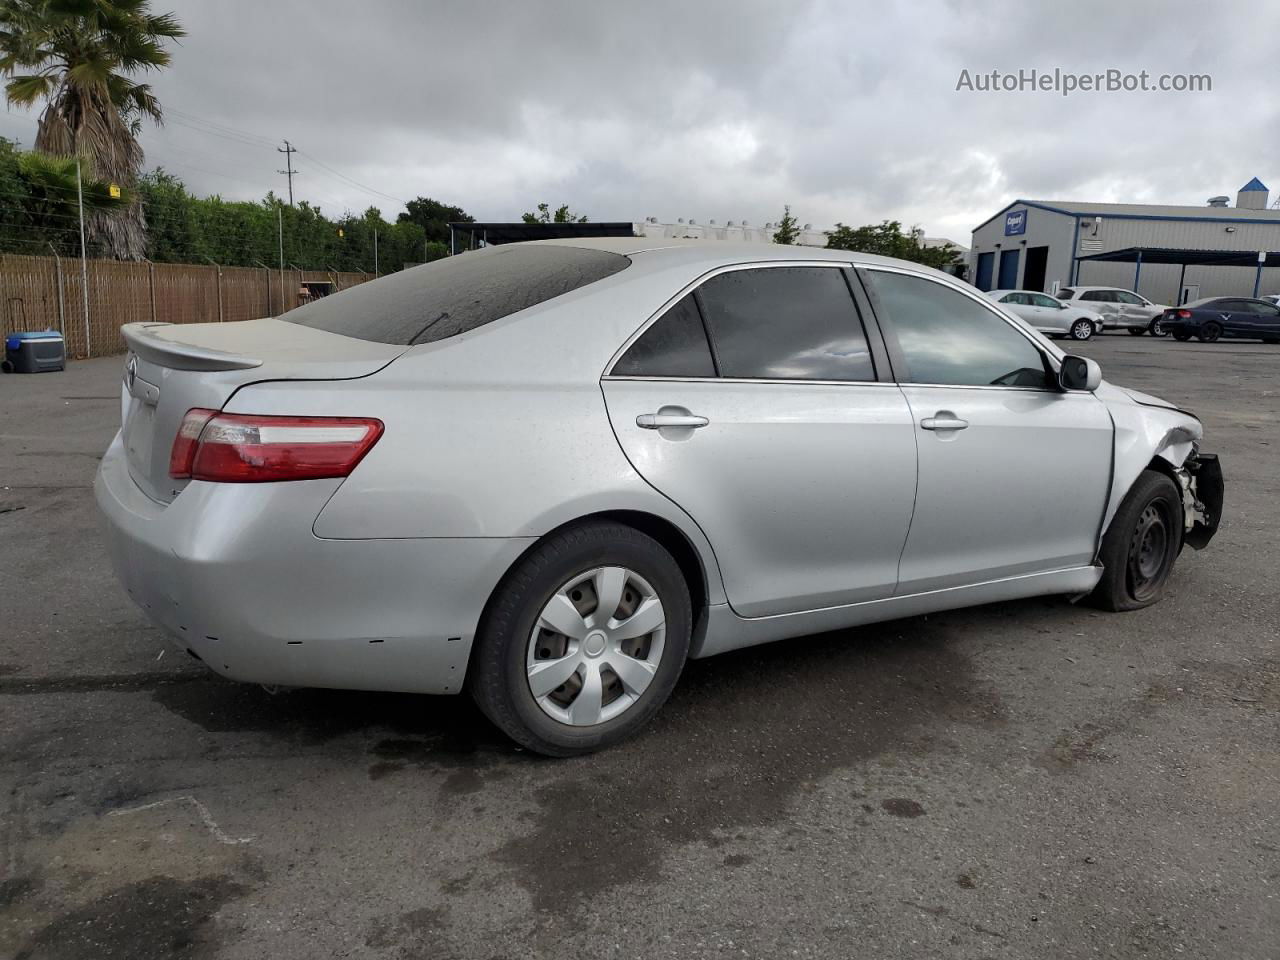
787, 230
40, 206
434, 218
888, 240
562, 215
80, 57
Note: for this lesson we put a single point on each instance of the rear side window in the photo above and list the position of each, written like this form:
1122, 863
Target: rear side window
1066, 293
674, 346
785, 323
457, 294
1098, 296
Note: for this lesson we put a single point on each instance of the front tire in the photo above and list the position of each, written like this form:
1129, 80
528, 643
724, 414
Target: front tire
1082, 330
583, 641
1141, 545
1156, 329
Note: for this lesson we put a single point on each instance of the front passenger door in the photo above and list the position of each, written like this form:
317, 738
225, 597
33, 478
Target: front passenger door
1013, 473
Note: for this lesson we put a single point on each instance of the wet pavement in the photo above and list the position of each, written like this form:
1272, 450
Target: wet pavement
1033, 779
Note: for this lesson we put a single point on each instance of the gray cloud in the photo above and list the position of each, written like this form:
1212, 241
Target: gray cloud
726, 110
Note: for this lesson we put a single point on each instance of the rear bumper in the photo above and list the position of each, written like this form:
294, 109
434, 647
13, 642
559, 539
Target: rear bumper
234, 573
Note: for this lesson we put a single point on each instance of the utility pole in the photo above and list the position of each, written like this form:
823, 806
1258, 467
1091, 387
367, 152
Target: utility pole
84, 263
288, 152
375, 253
280, 229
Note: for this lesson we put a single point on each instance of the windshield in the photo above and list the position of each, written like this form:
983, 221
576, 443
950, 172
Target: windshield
457, 294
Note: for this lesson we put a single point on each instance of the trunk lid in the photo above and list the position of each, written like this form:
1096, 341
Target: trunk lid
172, 368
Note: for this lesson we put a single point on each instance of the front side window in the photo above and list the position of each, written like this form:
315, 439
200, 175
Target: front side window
1040, 300
785, 323
948, 338
675, 345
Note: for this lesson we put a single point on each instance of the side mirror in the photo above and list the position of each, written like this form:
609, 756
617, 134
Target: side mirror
1079, 373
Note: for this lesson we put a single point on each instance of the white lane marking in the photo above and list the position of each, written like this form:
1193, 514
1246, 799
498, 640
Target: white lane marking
218, 833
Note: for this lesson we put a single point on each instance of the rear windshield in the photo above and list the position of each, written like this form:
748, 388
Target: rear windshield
451, 296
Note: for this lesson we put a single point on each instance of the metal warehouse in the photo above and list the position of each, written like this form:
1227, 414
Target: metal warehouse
1169, 254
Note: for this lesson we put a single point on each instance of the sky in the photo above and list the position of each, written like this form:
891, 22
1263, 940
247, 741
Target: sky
847, 111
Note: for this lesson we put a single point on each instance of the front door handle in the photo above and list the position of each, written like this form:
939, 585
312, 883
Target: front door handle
656, 421
944, 420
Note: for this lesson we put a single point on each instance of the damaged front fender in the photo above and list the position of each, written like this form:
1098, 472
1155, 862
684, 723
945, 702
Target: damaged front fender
1147, 429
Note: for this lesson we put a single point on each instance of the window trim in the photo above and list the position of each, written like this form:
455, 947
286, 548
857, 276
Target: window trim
884, 321
862, 313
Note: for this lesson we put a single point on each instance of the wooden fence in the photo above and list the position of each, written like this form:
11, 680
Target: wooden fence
47, 293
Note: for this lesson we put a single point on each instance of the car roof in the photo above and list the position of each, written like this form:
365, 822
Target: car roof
709, 254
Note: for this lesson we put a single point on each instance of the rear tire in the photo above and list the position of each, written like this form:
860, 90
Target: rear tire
1209, 332
566, 573
1141, 545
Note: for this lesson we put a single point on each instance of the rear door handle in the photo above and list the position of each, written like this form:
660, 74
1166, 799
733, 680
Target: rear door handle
943, 421
656, 421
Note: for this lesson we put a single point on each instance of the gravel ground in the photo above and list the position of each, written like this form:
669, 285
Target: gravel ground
1032, 779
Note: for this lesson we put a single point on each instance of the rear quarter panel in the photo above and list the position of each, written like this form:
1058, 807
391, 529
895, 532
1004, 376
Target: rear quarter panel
501, 433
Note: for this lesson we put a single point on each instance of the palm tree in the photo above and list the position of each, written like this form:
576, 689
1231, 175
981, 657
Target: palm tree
80, 57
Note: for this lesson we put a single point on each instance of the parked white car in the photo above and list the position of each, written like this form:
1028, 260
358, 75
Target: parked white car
1120, 308
1048, 314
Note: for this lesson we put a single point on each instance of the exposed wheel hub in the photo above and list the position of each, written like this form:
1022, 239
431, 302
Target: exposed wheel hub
1149, 558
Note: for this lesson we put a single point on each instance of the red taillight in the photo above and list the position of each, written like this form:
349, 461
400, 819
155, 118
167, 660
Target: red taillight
243, 448
1184, 314
185, 443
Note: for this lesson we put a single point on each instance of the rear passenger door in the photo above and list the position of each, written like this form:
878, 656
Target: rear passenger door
760, 404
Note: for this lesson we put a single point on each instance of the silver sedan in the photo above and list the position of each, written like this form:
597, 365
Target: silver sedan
1049, 315
551, 473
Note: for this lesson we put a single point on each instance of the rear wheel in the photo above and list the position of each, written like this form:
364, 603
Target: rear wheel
1141, 544
1082, 329
1210, 332
583, 641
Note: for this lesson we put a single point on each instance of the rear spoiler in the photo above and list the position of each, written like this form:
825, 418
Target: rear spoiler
144, 340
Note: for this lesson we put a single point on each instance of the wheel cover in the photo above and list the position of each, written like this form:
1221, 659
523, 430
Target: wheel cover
596, 646
1149, 551
1082, 330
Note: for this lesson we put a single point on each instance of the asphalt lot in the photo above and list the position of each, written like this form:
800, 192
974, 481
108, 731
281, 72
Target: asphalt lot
1032, 779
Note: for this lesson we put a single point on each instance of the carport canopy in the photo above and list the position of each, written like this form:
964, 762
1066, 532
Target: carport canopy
1189, 258
494, 233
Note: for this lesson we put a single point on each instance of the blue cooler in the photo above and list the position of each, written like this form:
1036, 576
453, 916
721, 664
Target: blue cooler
34, 352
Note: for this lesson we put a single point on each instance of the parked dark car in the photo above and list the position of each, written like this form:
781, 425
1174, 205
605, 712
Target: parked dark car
1213, 318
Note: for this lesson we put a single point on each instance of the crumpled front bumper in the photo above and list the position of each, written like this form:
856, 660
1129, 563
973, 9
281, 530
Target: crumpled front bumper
1203, 494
